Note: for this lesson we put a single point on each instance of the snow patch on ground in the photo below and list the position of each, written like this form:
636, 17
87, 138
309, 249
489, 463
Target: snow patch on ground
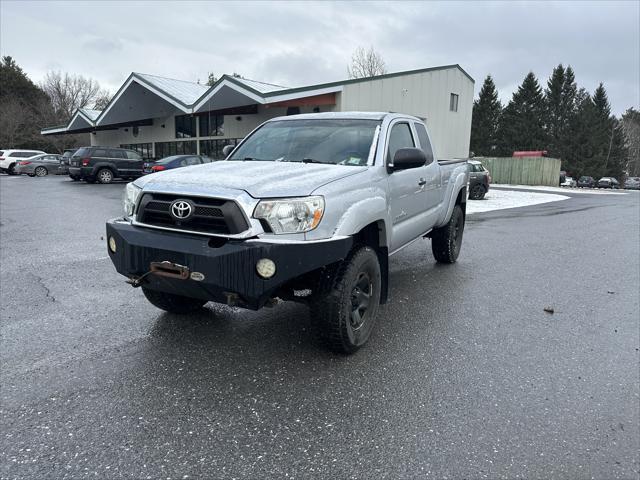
502, 199
541, 188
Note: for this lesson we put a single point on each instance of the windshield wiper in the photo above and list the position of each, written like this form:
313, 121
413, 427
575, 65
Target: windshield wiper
249, 159
313, 160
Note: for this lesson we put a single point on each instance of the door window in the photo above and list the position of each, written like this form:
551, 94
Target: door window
132, 155
116, 154
185, 162
400, 137
425, 144
99, 152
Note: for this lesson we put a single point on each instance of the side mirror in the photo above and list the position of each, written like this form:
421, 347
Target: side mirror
406, 158
227, 149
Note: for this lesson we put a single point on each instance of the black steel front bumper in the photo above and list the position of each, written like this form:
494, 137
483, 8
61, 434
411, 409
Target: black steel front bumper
228, 267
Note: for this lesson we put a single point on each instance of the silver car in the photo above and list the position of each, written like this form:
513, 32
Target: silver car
39, 166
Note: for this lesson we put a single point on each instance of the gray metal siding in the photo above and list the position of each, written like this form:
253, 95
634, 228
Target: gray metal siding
425, 95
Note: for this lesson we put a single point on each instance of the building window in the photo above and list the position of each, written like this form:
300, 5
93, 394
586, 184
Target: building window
166, 149
143, 149
185, 126
211, 125
453, 102
213, 148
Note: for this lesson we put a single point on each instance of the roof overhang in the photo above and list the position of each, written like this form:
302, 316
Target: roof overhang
144, 97
138, 100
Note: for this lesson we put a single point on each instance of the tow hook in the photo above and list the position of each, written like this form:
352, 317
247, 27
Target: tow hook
164, 269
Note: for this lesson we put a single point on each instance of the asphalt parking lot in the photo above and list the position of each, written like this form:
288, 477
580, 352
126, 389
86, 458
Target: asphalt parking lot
466, 375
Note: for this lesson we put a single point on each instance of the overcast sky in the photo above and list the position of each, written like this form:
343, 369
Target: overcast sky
295, 44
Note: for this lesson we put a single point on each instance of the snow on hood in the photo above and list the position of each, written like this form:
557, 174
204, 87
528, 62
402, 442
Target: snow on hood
258, 179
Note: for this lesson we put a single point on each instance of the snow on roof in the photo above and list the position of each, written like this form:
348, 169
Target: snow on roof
261, 87
92, 114
181, 90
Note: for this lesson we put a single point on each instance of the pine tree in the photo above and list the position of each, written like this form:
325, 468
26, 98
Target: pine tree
522, 121
581, 138
596, 143
554, 109
485, 120
560, 103
24, 107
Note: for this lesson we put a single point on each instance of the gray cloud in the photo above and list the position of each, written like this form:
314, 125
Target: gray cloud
103, 45
300, 43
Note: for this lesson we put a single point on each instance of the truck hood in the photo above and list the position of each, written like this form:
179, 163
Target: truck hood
258, 179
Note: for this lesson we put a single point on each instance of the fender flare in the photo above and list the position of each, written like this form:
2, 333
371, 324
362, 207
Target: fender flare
458, 186
362, 213
97, 167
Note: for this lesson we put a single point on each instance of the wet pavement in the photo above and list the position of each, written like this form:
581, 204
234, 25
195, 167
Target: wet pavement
466, 375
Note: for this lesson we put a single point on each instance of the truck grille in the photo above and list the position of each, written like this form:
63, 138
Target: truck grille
210, 215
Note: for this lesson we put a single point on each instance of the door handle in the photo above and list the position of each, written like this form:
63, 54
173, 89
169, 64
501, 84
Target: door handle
422, 182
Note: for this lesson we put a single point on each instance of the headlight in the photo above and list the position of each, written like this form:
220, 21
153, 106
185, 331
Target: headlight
291, 215
130, 197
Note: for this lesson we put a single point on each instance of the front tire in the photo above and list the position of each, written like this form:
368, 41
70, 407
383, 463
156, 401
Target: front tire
346, 308
105, 176
41, 172
446, 241
172, 303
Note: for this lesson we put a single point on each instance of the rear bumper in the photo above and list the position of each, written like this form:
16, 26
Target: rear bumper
81, 172
25, 169
228, 270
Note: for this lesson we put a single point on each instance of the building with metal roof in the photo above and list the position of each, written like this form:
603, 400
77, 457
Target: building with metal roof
160, 116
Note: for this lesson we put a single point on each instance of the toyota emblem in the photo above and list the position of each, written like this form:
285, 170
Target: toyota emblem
181, 209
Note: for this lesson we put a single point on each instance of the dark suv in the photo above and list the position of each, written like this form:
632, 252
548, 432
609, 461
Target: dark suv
586, 182
103, 164
479, 180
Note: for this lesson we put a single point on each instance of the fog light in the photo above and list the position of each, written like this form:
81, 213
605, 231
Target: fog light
266, 268
112, 244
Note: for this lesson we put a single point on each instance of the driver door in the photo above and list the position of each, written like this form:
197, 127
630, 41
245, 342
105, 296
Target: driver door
407, 193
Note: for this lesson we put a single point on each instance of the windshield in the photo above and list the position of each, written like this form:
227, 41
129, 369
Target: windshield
336, 141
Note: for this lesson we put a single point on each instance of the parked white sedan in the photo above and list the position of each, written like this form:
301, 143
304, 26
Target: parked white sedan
569, 182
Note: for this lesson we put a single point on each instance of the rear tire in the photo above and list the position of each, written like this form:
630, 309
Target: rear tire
12, 169
105, 176
446, 241
477, 192
172, 303
41, 172
345, 307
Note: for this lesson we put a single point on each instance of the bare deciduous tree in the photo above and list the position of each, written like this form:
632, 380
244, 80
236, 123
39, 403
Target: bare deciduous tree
366, 63
70, 92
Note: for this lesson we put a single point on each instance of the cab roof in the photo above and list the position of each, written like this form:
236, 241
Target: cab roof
344, 116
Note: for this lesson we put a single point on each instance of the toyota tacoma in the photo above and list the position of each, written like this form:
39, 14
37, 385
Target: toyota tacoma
306, 208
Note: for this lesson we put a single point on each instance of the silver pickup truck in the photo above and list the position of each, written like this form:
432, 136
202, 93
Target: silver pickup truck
306, 208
